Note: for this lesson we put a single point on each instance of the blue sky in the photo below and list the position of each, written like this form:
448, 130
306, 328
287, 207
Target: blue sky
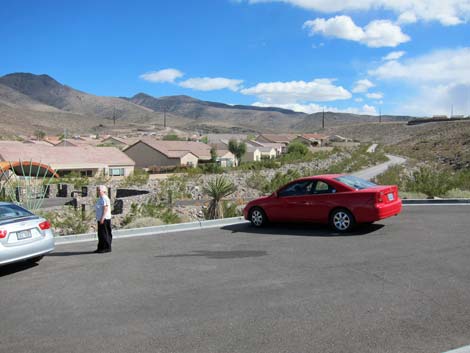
370, 56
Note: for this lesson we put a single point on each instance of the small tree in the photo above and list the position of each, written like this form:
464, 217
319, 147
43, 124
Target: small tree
237, 148
297, 148
213, 154
217, 189
39, 135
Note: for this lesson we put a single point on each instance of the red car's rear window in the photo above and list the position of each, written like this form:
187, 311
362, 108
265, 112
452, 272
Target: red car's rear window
355, 182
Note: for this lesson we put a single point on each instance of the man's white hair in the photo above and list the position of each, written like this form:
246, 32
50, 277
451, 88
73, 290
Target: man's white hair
103, 188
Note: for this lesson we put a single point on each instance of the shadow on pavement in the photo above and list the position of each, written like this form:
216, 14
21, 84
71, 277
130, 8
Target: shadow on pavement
16, 267
303, 230
236, 254
70, 253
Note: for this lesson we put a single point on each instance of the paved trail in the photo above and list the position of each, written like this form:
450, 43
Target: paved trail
372, 172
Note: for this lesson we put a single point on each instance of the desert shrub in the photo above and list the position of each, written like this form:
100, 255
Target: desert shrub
174, 187
217, 189
74, 179
256, 181
138, 178
394, 175
430, 181
297, 148
462, 179
69, 221
230, 209
211, 168
280, 179
150, 209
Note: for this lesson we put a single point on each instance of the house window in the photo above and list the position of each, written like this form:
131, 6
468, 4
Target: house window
86, 173
116, 171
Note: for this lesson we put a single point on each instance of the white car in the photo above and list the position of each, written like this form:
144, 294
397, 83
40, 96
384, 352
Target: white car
23, 235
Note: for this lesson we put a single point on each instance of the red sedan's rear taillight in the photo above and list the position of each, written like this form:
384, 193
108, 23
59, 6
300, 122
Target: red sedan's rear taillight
379, 197
45, 225
3, 233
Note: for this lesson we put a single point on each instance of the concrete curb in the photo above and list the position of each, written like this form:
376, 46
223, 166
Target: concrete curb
435, 201
171, 228
164, 229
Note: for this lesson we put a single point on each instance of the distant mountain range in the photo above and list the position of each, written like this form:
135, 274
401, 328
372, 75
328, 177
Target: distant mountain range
31, 102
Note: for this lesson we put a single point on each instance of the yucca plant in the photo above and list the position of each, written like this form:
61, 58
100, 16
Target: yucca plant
217, 189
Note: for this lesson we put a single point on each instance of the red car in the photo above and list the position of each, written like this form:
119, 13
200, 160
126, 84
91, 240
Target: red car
339, 200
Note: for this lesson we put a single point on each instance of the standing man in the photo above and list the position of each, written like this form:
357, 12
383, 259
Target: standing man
103, 217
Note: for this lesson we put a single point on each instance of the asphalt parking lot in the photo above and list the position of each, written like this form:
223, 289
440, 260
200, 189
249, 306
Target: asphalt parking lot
401, 285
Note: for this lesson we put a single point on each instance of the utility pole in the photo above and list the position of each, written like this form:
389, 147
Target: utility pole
323, 119
380, 115
164, 116
114, 116
451, 111
65, 136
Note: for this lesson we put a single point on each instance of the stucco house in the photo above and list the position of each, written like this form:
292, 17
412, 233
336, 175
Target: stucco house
313, 140
278, 147
226, 158
149, 152
85, 160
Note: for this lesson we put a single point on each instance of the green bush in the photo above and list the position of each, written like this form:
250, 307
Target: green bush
431, 182
150, 209
69, 221
394, 175
174, 187
138, 178
297, 148
256, 181
279, 180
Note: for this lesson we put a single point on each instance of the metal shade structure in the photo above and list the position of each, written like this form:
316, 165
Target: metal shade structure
30, 178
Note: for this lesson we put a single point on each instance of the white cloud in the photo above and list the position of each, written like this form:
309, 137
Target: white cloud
362, 86
379, 33
447, 12
212, 84
444, 66
294, 91
315, 108
166, 75
442, 79
394, 55
358, 100
376, 95
439, 100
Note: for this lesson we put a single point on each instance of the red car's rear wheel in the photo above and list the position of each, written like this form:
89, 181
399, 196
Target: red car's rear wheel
342, 220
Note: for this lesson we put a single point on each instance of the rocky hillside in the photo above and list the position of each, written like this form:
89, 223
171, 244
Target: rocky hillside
29, 102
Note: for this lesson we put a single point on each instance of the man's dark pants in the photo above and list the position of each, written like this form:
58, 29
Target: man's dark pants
105, 237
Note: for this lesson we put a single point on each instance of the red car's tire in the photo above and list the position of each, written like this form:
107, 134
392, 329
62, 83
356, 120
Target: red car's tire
258, 217
341, 220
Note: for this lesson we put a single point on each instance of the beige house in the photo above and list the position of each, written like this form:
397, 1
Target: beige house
156, 153
86, 160
313, 140
252, 154
278, 147
226, 158
283, 139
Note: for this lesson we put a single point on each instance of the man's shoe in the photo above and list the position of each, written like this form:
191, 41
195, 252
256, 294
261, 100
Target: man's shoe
107, 250
97, 251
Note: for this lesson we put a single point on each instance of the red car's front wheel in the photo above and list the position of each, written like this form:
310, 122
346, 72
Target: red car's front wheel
258, 217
